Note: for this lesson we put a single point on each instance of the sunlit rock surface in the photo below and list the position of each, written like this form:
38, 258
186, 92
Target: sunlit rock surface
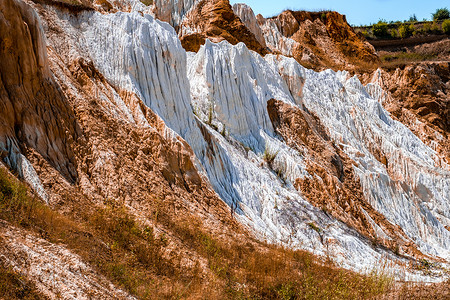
355, 121
216, 100
229, 88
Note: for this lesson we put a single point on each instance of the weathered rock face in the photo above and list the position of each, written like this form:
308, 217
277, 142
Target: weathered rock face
425, 88
317, 40
226, 79
369, 134
135, 120
333, 186
173, 11
216, 21
245, 13
418, 96
122, 151
34, 111
193, 131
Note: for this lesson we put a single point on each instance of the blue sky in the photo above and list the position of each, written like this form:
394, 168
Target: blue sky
358, 12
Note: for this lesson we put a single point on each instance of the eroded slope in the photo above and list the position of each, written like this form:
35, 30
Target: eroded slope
158, 127
317, 40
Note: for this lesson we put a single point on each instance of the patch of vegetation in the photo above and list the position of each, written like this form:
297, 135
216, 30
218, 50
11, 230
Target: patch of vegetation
394, 60
269, 155
446, 26
147, 2
109, 239
405, 30
223, 132
15, 286
130, 255
413, 18
314, 227
380, 29
441, 14
394, 33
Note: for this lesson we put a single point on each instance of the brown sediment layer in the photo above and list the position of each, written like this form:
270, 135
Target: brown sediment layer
216, 21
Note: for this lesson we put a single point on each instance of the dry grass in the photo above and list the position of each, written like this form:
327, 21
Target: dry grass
109, 239
147, 2
392, 60
14, 286
132, 257
408, 290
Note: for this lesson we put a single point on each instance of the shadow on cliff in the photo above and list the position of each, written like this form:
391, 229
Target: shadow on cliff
222, 177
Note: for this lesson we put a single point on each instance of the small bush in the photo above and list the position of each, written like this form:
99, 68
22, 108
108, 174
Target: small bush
380, 29
394, 33
441, 14
426, 28
406, 31
435, 28
446, 26
313, 226
269, 155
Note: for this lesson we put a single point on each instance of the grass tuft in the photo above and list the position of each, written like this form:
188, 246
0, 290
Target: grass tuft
269, 155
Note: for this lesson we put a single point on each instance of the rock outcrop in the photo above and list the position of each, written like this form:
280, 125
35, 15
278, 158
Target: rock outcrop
35, 113
245, 13
355, 122
173, 11
316, 40
418, 96
216, 21
333, 186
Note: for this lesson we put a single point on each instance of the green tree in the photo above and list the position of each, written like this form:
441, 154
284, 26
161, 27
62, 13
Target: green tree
413, 18
380, 29
441, 14
446, 26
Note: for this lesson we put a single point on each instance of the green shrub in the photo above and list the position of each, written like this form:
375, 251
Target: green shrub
406, 31
380, 29
426, 28
435, 28
394, 33
441, 14
446, 26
